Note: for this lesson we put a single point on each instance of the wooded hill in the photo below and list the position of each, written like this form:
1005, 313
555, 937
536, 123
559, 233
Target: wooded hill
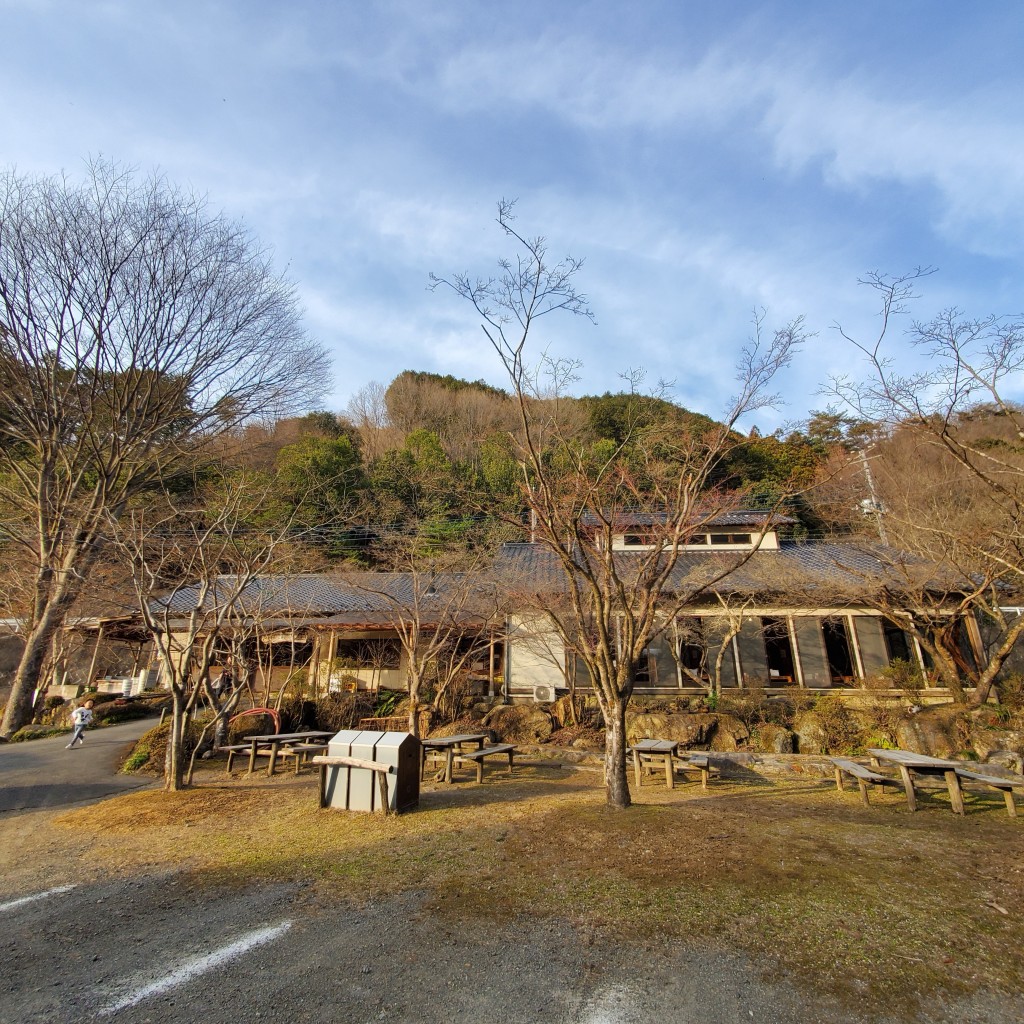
437, 450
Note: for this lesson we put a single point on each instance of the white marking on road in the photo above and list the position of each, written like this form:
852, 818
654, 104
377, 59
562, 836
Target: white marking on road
199, 965
12, 904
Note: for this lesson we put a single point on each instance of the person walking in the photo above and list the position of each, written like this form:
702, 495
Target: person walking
80, 717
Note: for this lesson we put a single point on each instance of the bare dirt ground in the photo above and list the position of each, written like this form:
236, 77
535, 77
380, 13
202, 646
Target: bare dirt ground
522, 899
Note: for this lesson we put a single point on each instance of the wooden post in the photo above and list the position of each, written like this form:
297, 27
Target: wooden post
908, 787
956, 795
95, 656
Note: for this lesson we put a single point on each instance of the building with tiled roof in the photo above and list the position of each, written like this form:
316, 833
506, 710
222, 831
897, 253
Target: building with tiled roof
765, 611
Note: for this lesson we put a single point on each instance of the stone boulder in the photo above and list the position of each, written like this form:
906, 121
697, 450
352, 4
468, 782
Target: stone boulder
518, 723
467, 723
987, 741
811, 737
773, 739
561, 711
729, 734
936, 731
685, 729
1008, 759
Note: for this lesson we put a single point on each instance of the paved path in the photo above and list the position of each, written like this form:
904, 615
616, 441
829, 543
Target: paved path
42, 773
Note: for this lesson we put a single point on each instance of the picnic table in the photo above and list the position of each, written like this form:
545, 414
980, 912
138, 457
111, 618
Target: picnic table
922, 764
449, 745
274, 744
667, 754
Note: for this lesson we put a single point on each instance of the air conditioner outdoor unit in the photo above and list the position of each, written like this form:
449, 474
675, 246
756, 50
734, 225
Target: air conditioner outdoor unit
543, 693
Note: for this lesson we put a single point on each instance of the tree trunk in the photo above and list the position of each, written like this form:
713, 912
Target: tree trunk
615, 777
174, 766
26, 679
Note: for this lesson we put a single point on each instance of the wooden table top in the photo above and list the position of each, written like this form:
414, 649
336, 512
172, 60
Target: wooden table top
656, 746
454, 741
911, 760
284, 736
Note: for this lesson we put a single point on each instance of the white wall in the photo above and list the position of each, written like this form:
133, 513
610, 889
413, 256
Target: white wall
534, 655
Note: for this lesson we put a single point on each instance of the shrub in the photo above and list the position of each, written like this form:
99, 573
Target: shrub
120, 711
154, 745
840, 732
1011, 691
902, 675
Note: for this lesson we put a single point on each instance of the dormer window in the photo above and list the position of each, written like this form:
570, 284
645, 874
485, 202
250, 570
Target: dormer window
697, 538
637, 540
731, 538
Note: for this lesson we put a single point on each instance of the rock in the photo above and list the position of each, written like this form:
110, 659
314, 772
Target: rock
730, 733
1008, 759
468, 723
592, 740
687, 730
810, 733
561, 712
774, 739
987, 742
935, 731
518, 723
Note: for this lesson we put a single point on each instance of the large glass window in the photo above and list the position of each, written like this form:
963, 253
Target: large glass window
778, 650
897, 643
838, 651
693, 649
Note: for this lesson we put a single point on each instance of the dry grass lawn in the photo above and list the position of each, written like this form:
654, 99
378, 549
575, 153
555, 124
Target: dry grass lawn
877, 906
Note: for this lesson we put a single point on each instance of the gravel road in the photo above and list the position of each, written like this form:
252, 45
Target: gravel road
154, 950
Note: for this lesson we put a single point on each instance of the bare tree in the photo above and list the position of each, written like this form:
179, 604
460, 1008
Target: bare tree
135, 327
197, 570
582, 496
950, 469
441, 607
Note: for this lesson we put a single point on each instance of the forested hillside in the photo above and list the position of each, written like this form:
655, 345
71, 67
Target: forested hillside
435, 453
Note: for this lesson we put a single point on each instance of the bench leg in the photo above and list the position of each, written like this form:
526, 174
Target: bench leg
705, 774
252, 760
908, 788
382, 786
231, 758
864, 792
670, 775
1011, 807
479, 770
511, 754
448, 764
956, 794
839, 779
323, 785
636, 768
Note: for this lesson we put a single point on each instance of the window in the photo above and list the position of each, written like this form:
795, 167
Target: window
637, 540
838, 651
730, 538
368, 653
896, 642
693, 651
697, 538
642, 668
778, 650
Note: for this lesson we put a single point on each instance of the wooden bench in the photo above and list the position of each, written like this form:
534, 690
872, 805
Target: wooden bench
477, 757
696, 763
1006, 786
863, 776
301, 752
235, 749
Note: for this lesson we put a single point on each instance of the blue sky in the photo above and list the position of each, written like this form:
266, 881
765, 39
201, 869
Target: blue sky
706, 159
